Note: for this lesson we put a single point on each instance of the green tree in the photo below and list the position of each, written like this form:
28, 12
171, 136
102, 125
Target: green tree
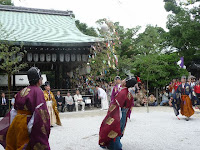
85, 29
184, 29
11, 56
6, 2
152, 62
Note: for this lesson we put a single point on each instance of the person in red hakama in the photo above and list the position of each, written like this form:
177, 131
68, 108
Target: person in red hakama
113, 125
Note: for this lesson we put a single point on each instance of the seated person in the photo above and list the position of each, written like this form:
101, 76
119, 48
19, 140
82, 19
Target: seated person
60, 101
152, 100
79, 100
165, 99
69, 102
4, 105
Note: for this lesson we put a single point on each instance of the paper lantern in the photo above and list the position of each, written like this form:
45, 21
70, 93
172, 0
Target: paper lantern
35, 57
48, 57
42, 57
104, 27
78, 57
73, 57
62, 57
84, 57
54, 57
29, 57
67, 57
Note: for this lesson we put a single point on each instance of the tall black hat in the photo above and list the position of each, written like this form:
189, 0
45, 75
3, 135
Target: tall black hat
47, 83
34, 74
130, 81
117, 77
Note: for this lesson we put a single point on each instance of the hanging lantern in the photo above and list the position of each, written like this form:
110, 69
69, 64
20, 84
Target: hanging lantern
73, 57
84, 57
67, 57
78, 57
35, 57
48, 57
19, 57
42, 57
54, 57
62, 57
29, 57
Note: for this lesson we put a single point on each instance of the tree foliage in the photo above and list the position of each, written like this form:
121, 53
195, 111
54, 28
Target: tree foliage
85, 29
184, 29
6, 2
10, 56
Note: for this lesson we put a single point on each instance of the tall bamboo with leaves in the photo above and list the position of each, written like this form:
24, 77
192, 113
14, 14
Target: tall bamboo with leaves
104, 58
10, 56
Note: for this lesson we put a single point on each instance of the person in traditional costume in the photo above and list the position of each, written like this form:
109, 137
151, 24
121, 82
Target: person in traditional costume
103, 96
27, 125
116, 88
113, 126
182, 100
51, 105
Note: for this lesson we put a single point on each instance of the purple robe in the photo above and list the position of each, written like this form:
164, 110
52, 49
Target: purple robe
30, 99
115, 91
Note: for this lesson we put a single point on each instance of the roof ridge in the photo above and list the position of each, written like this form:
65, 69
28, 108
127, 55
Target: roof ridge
36, 10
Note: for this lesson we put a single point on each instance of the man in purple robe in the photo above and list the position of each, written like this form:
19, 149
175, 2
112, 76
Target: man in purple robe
27, 125
116, 88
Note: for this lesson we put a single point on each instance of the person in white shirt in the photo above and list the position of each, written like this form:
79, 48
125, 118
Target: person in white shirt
69, 102
79, 100
103, 96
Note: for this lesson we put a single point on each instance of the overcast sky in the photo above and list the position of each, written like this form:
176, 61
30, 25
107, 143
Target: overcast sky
129, 13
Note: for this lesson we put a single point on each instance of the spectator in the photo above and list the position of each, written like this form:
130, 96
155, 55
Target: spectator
172, 88
70, 102
103, 96
13, 100
197, 92
79, 100
165, 99
152, 100
4, 104
177, 84
60, 101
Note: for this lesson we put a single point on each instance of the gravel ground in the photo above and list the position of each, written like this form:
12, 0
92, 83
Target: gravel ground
157, 130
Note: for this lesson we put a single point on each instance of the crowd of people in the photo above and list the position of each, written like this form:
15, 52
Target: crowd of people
102, 91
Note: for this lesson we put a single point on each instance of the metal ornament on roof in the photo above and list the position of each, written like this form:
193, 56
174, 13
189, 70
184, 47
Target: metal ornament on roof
42, 57
48, 57
73, 57
29, 57
67, 57
62, 57
84, 57
78, 57
19, 57
54, 57
35, 57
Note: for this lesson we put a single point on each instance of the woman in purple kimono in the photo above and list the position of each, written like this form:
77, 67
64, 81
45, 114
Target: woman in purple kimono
27, 126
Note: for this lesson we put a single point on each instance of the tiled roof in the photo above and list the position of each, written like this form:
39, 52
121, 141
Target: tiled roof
42, 27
